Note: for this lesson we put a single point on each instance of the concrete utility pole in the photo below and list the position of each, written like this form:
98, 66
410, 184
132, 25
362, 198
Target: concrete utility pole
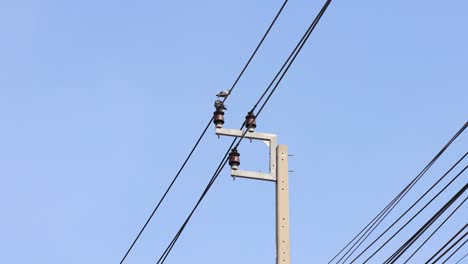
279, 174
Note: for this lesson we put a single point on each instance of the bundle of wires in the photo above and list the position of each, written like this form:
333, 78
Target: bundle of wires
271, 89
347, 251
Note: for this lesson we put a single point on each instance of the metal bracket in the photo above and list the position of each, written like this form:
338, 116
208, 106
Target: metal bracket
269, 139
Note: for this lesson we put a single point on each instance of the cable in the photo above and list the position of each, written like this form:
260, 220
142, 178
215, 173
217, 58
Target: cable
411, 240
409, 187
392, 259
284, 69
411, 207
395, 201
166, 253
202, 134
210, 183
362, 238
437, 229
446, 244
213, 179
411, 219
383, 214
456, 250
299, 46
368, 227
462, 258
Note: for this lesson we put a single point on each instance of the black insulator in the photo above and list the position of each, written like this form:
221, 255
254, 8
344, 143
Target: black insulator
218, 118
234, 159
250, 121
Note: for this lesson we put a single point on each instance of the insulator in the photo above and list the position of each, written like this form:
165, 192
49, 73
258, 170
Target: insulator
218, 118
250, 122
234, 159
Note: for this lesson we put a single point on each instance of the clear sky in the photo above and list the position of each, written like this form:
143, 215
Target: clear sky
101, 101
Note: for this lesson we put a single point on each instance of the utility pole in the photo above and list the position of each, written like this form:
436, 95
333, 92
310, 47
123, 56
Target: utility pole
278, 173
282, 206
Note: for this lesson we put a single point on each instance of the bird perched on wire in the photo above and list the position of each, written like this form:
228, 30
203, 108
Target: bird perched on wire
219, 105
224, 93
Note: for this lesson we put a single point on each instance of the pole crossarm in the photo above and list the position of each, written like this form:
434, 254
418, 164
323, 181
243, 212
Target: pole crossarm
278, 174
269, 139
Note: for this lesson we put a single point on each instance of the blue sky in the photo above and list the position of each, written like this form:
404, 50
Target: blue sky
101, 101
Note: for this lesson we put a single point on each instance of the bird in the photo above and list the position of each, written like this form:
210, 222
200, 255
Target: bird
223, 93
219, 105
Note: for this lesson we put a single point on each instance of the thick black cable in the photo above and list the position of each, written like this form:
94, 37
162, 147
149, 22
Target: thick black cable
423, 229
259, 44
401, 216
310, 30
446, 244
207, 188
395, 256
357, 244
413, 182
455, 251
203, 134
295, 50
210, 183
391, 205
224, 161
411, 219
398, 198
284, 69
435, 231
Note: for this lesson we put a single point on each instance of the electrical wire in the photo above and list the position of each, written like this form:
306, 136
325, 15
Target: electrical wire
203, 133
294, 53
411, 219
403, 193
455, 251
374, 225
411, 207
369, 228
437, 229
462, 258
223, 162
446, 244
284, 69
210, 183
380, 217
418, 233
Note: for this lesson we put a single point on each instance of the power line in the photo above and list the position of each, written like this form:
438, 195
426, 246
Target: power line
411, 219
378, 219
418, 233
207, 188
446, 244
372, 225
223, 162
362, 238
437, 229
287, 64
292, 56
413, 205
369, 228
462, 258
455, 251
202, 134
401, 195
